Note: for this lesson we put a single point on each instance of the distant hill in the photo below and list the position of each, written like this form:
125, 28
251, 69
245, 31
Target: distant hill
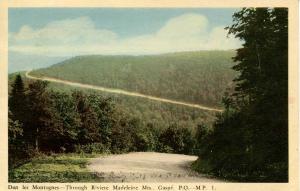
21, 62
195, 77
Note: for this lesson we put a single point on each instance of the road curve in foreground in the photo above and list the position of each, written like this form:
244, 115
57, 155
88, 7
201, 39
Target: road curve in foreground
119, 91
147, 167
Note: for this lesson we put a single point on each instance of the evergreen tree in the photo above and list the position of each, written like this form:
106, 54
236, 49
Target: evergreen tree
262, 86
17, 101
40, 115
250, 138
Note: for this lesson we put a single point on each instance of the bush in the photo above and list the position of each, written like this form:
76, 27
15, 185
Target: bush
176, 139
166, 149
93, 148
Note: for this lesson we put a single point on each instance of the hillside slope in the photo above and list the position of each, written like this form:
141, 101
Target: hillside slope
118, 91
195, 77
151, 113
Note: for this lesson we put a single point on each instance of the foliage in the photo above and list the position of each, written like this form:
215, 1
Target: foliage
250, 139
93, 148
123, 135
146, 138
17, 100
195, 77
17, 119
42, 119
15, 142
201, 137
88, 130
64, 120
14, 129
176, 139
80, 122
69, 120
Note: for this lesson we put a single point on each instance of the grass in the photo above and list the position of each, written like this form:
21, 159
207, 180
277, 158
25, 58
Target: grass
55, 168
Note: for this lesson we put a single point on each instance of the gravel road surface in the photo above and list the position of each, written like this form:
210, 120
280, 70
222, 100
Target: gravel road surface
147, 167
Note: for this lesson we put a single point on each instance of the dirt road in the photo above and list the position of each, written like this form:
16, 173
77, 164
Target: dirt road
147, 167
119, 91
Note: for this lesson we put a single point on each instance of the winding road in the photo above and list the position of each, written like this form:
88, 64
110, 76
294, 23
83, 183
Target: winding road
119, 91
147, 167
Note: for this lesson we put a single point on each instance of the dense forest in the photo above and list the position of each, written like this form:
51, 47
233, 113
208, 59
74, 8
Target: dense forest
249, 140
196, 77
45, 121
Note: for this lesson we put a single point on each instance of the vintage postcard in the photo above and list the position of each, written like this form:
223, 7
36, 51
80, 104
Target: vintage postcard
148, 95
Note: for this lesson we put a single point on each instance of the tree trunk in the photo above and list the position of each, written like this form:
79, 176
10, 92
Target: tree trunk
37, 140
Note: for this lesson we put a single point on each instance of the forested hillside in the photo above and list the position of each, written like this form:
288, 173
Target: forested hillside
79, 121
47, 119
196, 77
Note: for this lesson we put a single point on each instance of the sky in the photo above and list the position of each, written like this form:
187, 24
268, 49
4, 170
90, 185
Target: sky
65, 32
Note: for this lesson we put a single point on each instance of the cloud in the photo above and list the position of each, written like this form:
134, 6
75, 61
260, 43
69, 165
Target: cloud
79, 36
180, 27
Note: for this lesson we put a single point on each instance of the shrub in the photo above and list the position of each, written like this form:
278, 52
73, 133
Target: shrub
93, 148
176, 139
